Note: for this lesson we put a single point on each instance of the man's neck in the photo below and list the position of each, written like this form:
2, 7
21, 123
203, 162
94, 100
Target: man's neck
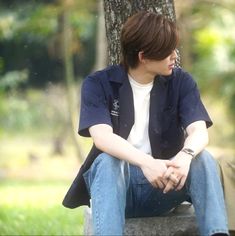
140, 75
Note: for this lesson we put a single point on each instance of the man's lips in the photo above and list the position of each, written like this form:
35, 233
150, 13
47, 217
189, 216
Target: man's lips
171, 66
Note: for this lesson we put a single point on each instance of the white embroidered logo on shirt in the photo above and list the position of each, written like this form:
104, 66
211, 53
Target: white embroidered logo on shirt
115, 108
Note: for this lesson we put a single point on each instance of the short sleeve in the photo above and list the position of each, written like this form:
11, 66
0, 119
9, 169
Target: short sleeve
94, 108
191, 108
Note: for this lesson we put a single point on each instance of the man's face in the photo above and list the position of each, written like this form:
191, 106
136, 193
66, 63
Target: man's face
163, 67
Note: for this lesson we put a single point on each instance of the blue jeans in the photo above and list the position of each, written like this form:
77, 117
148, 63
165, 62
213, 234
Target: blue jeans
119, 190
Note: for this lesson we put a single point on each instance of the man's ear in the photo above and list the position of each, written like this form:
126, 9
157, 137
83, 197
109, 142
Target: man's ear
141, 57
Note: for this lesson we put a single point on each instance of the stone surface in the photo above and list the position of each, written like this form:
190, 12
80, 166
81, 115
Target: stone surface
180, 222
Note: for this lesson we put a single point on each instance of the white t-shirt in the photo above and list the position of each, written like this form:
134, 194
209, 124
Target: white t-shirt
139, 135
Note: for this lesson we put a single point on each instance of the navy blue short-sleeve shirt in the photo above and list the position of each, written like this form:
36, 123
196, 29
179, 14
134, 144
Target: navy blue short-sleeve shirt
94, 108
179, 90
107, 98
191, 108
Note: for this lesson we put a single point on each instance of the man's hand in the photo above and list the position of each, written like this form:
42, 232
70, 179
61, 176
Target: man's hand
154, 170
171, 179
197, 139
177, 171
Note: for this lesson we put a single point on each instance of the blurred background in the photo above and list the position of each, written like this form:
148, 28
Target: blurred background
47, 47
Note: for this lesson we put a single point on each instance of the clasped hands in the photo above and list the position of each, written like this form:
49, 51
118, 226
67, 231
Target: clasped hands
168, 174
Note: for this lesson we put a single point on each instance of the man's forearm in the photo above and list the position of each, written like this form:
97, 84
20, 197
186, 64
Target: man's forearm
118, 147
197, 138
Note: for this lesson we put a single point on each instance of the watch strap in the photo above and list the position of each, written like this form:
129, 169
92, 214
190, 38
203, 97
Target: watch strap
189, 152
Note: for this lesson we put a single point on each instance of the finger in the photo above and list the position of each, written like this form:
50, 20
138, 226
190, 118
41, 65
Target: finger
157, 184
154, 184
174, 178
168, 187
167, 174
164, 181
181, 183
160, 184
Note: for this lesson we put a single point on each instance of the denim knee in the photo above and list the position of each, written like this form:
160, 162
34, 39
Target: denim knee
107, 171
108, 165
205, 159
203, 166
106, 162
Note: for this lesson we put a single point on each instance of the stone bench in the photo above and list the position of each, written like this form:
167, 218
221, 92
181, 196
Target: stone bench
180, 222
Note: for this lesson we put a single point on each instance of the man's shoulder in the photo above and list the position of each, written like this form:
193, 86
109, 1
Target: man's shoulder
180, 78
180, 74
113, 73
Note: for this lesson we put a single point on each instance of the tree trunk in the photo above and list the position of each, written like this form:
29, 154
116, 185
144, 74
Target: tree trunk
69, 78
101, 41
116, 13
184, 14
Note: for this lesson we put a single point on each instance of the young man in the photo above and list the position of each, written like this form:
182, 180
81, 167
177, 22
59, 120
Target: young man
149, 129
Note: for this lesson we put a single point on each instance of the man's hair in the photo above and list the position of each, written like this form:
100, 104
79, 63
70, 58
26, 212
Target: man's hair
149, 32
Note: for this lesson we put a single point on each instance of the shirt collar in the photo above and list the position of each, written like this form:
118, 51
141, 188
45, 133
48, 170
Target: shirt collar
117, 73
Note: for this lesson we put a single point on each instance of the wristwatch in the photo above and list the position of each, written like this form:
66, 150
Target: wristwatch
189, 152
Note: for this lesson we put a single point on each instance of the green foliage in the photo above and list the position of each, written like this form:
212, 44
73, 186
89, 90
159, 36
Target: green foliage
83, 24
214, 52
11, 80
40, 21
34, 111
31, 38
18, 114
206, 41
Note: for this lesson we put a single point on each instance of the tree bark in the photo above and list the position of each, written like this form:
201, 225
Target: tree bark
116, 13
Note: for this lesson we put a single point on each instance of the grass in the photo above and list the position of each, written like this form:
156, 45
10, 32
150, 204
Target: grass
34, 208
32, 190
